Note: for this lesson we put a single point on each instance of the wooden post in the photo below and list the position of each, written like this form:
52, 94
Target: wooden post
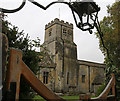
16, 68
113, 87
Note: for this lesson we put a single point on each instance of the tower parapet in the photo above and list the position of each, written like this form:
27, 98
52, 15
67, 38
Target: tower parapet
57, 21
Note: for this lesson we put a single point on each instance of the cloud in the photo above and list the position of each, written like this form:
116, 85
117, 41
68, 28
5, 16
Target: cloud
33, 19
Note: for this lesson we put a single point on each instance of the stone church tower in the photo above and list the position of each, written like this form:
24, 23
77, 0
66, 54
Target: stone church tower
59, 41
68, 74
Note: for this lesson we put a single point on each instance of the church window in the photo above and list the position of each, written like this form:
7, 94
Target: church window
64, 31
50, 31
45, 77
83, 78
67, 77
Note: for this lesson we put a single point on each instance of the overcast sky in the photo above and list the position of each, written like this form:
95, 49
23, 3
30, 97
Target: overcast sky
33, 19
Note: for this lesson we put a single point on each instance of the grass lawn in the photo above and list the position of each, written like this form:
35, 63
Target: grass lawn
64, 97
37, 97
70, 97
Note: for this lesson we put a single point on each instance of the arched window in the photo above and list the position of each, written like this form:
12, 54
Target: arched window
50, 31
45, 77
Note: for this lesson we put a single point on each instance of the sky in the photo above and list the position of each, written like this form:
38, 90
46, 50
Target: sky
33, 19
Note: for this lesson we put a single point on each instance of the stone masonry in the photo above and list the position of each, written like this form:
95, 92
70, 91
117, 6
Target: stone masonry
70, 74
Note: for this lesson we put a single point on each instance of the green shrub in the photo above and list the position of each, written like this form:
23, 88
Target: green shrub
100, 89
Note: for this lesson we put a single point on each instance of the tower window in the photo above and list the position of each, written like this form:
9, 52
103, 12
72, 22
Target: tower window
83, 78
45, 77
50, 31
64, 31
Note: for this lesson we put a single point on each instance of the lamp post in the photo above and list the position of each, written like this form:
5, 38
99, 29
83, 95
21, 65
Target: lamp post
84, 10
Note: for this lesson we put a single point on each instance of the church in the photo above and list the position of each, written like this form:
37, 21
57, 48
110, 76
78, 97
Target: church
65, 73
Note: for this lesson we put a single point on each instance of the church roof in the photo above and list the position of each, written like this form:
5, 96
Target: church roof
93, 64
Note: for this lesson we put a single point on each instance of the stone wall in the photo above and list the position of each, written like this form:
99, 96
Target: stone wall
83, 87
51, 77
94, 75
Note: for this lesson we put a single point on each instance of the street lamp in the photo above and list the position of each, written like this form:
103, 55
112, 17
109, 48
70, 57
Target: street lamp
84, 10
85, 14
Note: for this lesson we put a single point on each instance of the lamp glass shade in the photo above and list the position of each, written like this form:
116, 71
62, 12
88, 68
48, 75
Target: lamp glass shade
83, 13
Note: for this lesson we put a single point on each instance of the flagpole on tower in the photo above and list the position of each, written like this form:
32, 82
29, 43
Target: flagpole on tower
59, 13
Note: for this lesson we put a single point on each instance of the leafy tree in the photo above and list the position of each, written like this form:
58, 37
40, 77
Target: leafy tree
30, 56
110, 26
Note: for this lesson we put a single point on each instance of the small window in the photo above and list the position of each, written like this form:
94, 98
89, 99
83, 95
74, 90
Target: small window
64, 31
50, 32
67, 77
45, 77
83, 78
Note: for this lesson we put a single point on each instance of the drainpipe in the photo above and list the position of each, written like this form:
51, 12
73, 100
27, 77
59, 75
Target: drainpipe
63, 53
0, 59
0, 66
89, 77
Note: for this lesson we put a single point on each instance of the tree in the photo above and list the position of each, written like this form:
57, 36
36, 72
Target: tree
18, 39
110, 26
